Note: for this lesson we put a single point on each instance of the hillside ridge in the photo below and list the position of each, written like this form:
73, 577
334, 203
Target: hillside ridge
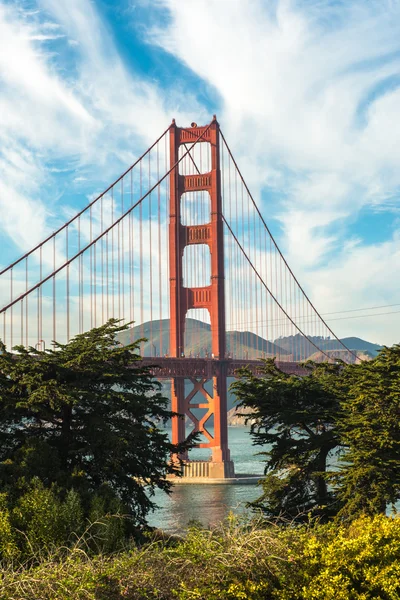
242, 344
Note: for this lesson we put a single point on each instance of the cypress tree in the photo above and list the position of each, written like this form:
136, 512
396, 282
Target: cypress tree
294, 417
369, 427
85, 415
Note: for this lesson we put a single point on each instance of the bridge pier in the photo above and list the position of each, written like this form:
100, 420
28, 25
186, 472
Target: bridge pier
220, 465
199, 469
199, 371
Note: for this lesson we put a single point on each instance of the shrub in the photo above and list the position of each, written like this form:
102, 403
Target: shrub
38, 518
41, 523
8, 546
237, 561
359, 561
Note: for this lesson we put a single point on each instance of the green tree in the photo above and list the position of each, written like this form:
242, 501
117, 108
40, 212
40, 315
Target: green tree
295, 417
369, 428
84, 416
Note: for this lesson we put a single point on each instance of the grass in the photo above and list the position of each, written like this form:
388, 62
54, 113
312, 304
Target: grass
236, 560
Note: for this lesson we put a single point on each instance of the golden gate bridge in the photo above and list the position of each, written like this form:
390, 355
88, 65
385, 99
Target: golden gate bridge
178, 247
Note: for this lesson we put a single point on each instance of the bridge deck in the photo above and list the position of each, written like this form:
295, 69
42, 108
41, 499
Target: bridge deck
206, 368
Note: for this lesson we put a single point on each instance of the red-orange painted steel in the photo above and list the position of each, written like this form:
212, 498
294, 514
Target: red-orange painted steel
210, 297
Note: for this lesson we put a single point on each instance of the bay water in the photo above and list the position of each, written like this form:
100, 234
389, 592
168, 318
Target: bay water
211, 503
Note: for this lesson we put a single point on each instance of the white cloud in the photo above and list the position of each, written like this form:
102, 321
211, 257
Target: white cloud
361, 277
42, 37
130, 111
309, 104
99, 116
39, 116
310, 97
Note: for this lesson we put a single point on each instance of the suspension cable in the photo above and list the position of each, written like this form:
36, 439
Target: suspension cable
106, 231
278, 249
84, 209
273, 296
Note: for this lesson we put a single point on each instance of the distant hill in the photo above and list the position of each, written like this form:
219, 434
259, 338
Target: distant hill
245, 344
355, 343
302, 348
241, 344
198, 340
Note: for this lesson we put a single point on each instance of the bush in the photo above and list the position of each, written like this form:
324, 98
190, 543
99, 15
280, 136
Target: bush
38, 518
359, 561
8, 546
239, 561
41, 523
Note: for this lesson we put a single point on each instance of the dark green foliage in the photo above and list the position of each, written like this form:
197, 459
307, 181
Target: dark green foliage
40, 522
350, 410
83, 417
294, 416
369, 427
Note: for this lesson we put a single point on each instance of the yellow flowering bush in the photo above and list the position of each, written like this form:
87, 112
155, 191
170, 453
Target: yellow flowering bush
360, 561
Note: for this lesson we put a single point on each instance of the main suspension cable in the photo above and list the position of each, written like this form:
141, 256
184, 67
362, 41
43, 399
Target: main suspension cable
278, 249
106, 231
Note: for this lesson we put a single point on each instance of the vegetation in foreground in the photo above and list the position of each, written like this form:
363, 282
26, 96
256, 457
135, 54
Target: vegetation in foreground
79, 439
79, 444
333, 437
237, 561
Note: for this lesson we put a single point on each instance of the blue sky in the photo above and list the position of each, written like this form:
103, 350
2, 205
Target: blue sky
307, 93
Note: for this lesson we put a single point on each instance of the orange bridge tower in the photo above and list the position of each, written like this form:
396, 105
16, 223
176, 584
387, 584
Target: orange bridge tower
210, 297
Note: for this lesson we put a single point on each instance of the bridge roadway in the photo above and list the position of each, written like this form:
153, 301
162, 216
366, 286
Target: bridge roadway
206, 368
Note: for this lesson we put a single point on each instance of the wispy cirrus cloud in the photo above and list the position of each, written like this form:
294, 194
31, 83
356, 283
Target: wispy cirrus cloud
307, 93
71, 108
40, 116
309, 100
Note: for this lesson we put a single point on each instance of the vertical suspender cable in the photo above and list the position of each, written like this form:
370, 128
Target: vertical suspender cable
112, 257
265, 315
271, 314
40, 336
107, 278
131, 265
151, 263
22, 323
123, 315
91, 267
54, 292
11, 308
102, 262
160, 260
67, 282
79, 278
167, 188
141, 260
95, 284
119, 264
26, 304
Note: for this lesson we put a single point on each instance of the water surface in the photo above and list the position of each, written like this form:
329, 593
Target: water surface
210, 504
